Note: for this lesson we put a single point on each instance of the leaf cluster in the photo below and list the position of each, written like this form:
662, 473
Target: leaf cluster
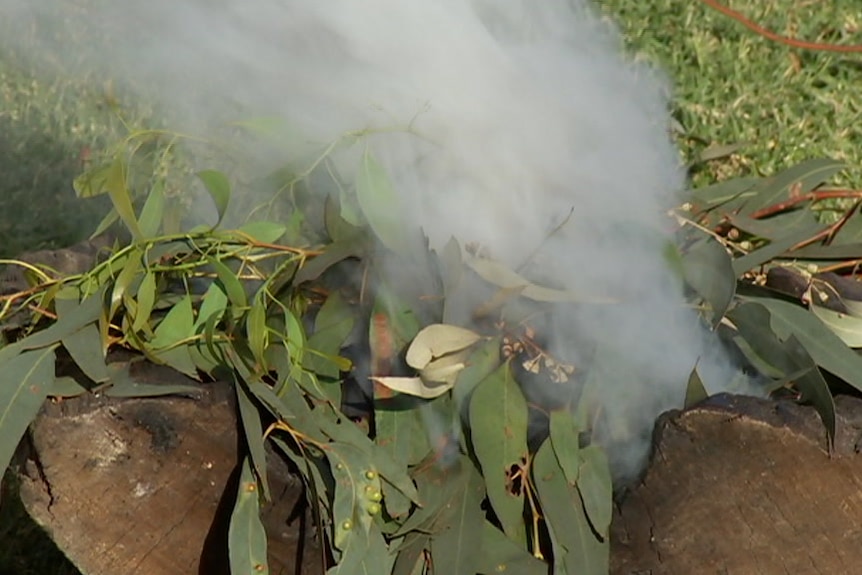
409, 387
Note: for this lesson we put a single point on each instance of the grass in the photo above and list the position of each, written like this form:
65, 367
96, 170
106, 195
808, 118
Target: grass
731, 87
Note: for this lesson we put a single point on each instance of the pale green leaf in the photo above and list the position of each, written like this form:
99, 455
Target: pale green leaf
218, 186
380, 204
437, 340
501, 276
153, 211
263, 232
845, 326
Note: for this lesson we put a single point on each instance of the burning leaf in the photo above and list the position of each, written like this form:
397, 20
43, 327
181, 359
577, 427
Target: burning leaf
437, 340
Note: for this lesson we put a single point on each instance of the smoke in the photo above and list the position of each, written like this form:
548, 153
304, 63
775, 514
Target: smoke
497, 120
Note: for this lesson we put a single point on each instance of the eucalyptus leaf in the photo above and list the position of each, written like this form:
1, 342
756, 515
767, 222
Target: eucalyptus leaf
498, 404
153, 211
773, 249
457, 546
27, 379
263, 232
247, 547
499, 554
501, 276
814, 388
146, 298
380, 204
708, 269
115, 185
437, 340
845, 326
695, 391
218, 187
800, 179
566, 444
826, 348
595, 488
125, 384
253, 433
576, 547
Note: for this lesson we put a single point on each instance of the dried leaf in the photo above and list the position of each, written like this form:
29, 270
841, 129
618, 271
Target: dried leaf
437, 340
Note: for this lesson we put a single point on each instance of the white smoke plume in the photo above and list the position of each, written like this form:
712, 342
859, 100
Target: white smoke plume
520, 112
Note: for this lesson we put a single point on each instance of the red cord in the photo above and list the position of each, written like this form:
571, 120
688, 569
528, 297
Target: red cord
730, 13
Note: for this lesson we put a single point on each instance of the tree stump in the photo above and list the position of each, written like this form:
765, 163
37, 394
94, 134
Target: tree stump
146, 486
745, 486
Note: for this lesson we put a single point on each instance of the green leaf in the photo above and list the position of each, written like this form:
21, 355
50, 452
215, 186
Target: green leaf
695, 391
566, 443
88, 311
124, 384
337, 252
336, 226
256, 330
85, 348
576, 548
380, 204
358, 493
27, 379
717, 194
826, 348
480, 364
498, 429
230, 284
153, 211
813, 387
595, 486
799, 179
176, 326
213, 305
218, 186
845, 326
65, 387
708, 269
773, 250
253, 433
457, 546
125, 280
401, 432
263, 232
246, 534
348, 433
146, 300
115, 184
499, 554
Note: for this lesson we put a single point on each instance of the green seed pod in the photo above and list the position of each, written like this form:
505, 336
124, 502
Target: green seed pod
373, 508
347, 525
370, 475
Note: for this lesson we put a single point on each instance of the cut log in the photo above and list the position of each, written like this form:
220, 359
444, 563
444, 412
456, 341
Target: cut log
146, 486
745, 486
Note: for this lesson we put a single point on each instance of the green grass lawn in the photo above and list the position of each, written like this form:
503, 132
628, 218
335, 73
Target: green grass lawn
731, 87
